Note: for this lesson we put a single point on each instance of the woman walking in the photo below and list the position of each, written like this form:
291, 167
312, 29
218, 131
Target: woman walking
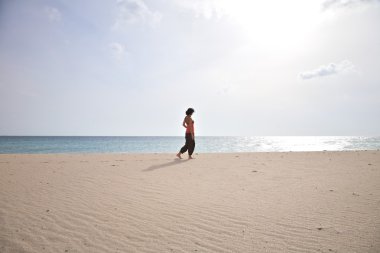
188, 123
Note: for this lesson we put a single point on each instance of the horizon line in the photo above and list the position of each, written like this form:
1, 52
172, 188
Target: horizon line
196, 135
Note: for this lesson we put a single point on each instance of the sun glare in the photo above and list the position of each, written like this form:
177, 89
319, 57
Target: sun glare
282, 24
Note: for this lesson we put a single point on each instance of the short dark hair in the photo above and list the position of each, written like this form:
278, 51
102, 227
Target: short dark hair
190, 111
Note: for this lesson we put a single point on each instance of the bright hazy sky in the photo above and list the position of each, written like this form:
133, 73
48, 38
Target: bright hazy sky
132, 67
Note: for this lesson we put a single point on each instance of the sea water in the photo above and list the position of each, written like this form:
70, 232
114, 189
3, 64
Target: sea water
171, 144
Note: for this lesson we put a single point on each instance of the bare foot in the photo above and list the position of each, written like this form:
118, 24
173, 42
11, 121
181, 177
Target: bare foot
179, 155
190, 157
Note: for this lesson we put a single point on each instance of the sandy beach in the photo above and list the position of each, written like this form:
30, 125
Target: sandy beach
235, 202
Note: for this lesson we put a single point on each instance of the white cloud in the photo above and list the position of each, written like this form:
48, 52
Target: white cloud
118, 50
226, 90
334, 4
135, 11
53, 13
203, 8
326, 70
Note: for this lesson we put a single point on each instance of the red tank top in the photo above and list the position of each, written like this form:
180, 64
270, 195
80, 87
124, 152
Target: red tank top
190, 128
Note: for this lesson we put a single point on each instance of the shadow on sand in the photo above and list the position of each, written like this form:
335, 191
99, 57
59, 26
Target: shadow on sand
163, 165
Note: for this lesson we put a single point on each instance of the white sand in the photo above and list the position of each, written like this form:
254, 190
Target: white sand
242, 202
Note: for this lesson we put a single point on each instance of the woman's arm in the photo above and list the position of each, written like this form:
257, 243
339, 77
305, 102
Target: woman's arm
184, 123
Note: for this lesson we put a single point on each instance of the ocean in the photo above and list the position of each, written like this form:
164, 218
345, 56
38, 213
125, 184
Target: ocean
171, 144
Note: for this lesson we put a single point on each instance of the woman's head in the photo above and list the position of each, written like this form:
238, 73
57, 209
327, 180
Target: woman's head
190, 111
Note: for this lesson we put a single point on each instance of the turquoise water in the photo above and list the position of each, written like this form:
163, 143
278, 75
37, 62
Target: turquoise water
162, 144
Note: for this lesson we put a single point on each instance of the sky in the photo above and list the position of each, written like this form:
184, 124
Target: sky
133, 67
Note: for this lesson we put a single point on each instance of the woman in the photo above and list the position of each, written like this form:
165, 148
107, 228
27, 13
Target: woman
188, 123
